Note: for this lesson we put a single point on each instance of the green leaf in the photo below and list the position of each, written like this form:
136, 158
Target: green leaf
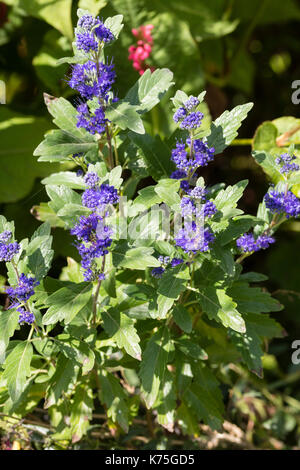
236, 228
77, 351
93, 6
39, 251
121, 329
133, 258
149, 89
253, 299
155, 153
115, 24
17, 369
67, 178
114, 397
57, 14
204, 397
173, 281
167, 189
66, 303
191, 349
249, 345
81, 411
59, 146
224, 128
19, 135
166, 402
220, 307
182, 318
61, 381
124, 115
154, 364
8, 325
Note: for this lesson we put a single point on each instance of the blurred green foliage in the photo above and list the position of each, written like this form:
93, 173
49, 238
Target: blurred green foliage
239, 51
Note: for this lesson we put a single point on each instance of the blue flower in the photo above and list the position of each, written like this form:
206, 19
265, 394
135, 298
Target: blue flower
247, 243
288, 166
103, 34
91, 179
192, 121
8, 251
193, 238
23, 291
157, 272
5, 236
281, 203
86, 42
25, 316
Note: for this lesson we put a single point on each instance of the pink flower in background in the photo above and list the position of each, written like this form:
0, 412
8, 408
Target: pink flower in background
140, 53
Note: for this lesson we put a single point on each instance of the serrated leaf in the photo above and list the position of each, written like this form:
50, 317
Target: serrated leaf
81, 411
154, 363
253, 299
149, 89
224, 128
17, 369
121, 328
124, 115
113, 396
220, 307
8, 324
156, 155
67, 178
66, 303
61, 381
133, 258
39, 252
249, 346
182, 318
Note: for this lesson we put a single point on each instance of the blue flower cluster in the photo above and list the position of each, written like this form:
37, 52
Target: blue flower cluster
186, 115
247, 243
89, 32
286, 162
93, 235
7, 250
19, 296
200, 155
93, 79
283, 203
188, 156
166, 262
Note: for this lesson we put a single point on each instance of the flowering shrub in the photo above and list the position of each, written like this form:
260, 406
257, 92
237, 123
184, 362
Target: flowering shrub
158, 304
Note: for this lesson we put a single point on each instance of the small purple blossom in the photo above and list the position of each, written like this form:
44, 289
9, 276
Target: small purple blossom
283, 203
23, 290
157, 272
86, 227
103, 33
8, 251
91, 179
247, 243
5, 236
25, 316
178, 175
288, 166
192, 121
180, 114
86, 42
176, 262
191, 103
193, 238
